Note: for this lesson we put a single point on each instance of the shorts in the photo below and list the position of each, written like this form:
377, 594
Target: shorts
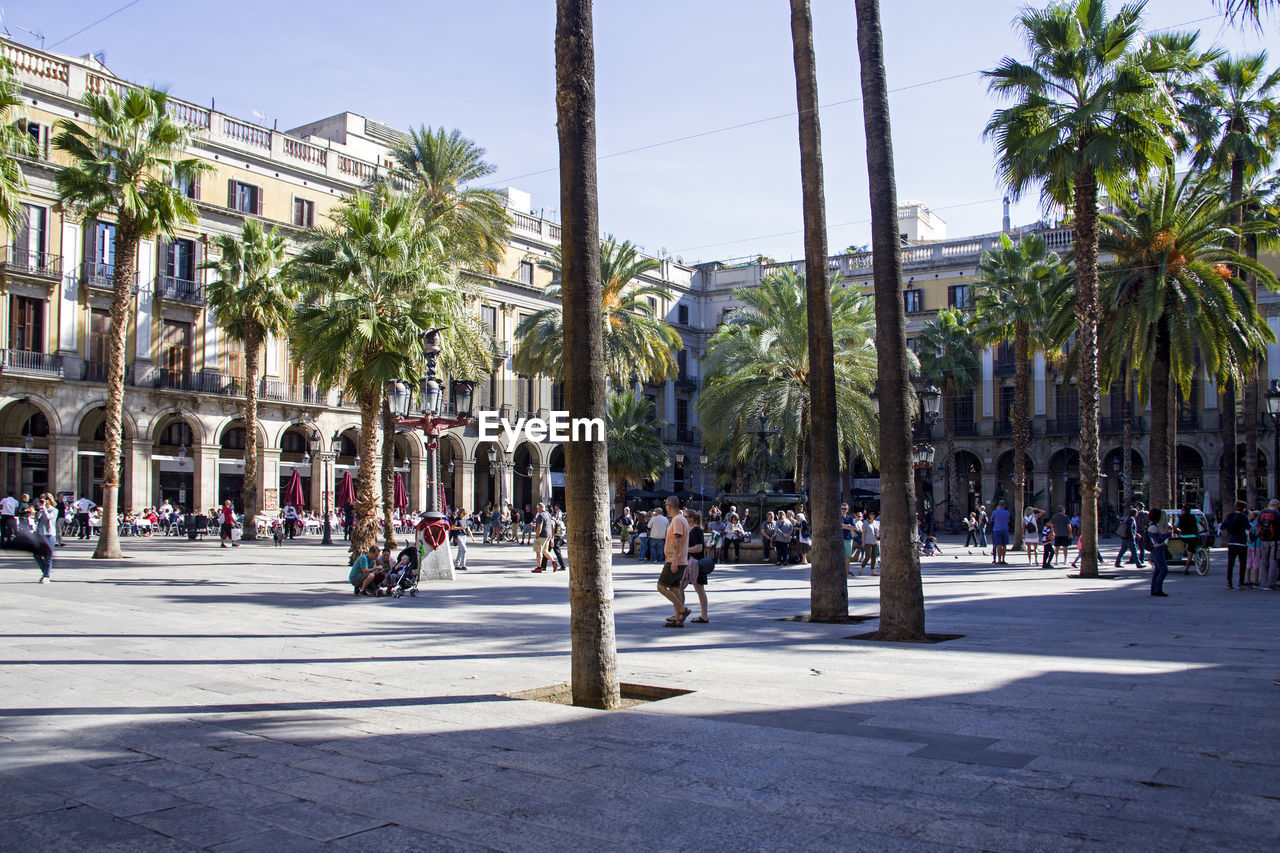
1061, 541
669, 578
848, 548
540, 546
225, 530
1000, 538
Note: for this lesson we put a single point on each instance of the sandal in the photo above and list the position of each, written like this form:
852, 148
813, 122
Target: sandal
672, 623
700, 620
684, 614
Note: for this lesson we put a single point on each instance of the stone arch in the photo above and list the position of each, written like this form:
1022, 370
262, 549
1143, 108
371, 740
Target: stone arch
968, 481
12, 408
487, 483
1189, 479
164, 417
1064, 480
128, 423
525, 469
27, 426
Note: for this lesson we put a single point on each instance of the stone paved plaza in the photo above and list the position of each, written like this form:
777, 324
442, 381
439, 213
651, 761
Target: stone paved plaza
195, 698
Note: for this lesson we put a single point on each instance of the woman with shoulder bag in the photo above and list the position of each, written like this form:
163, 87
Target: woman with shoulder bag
700, 564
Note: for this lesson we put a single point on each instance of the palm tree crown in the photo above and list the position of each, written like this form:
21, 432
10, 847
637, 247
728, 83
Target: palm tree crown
637, 342
14, 142
636, 451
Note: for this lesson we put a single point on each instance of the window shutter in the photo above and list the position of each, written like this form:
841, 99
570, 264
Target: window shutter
197, 255
257, 197
231, 193
195, 186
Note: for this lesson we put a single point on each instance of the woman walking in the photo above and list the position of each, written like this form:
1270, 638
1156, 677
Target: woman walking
971, 530
1031, 533
1158, 534
700, 563
47, 514
461, 533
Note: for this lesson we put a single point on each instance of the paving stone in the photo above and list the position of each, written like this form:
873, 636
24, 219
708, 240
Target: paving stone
201, 825
321, 822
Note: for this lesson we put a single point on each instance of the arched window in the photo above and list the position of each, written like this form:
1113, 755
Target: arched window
233, 438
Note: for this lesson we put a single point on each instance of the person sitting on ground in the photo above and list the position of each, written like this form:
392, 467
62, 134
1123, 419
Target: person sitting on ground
365, 575
931, 548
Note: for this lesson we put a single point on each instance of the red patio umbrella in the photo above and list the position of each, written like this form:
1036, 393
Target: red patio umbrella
400, 499
293, 492
346, 491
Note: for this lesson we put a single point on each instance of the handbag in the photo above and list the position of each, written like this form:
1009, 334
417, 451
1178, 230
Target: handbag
706, 565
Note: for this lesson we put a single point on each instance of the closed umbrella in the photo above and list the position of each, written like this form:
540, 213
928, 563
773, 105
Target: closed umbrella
293, 492
401, 496
346, 491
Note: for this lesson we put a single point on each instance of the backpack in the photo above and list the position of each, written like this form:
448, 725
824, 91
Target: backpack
1269, 525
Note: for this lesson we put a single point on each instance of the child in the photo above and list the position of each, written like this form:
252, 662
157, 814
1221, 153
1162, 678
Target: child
931, 548
1046, 545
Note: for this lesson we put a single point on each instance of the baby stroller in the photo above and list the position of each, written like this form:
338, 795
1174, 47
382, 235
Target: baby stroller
402, 577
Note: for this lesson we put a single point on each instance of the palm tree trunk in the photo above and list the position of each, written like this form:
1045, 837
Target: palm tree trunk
593, 643
388, 475
126, 255
1088, 311
249, 494
364, 530
1252, 397
1021, 429
1159, 494
1126, 442
1227, 476
828, 586
901, 592
953, 476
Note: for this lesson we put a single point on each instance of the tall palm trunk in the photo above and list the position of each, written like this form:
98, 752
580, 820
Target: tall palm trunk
1021, 429
594, 646
388, 475
1126, 442
126, 255
249, 495
901, 592
1252, 397
1160, 495
1227, 470
828, 586
364, 530
1088, 311
949, 459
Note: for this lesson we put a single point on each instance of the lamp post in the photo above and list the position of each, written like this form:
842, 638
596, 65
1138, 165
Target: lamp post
432, 423
1273, 409
702, 479
499, 463
318, 454
680, 457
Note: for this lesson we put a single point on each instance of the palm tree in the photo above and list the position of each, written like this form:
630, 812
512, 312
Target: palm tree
828, 588
1089, 109
1234, 110
949, 358
1246, 11
901, 590
251, 301
757, 363
1169, 292
128, 163
1011, 303
372, 283
14, 142
636, 451
439, 167
637, 342
594, 679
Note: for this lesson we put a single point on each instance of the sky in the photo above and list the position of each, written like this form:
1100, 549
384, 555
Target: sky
712, 80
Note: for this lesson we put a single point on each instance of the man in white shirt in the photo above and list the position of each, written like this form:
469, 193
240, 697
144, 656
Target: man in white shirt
83, 507
291, 521
8, 518
657, 536
870, 543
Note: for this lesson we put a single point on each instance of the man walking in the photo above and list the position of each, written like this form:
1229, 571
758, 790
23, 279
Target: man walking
982, 527
1128, 536
675, 560
846, 537
999, 534
658, 525
543, 529
1061, 533
870, 543
1269, 532
8, 518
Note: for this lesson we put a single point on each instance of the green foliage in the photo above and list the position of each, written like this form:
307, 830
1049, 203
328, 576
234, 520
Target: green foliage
1170, 242
636, 451
1015, 291
439, 167
1234, 113
948, 353
14, 142
128, 162
637, 343
758, 364
249, 297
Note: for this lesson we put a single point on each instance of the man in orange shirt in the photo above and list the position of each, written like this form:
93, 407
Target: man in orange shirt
675, 558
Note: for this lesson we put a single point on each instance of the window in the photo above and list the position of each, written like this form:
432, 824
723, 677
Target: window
233, 439
304, 212
188, 185
524, 272
682, 314
177, 434
29, 241
653, 306
913, 299
26, 324
235, 359
1066, 402
489, 316
38, 135
682, 362
958, 296
180, 260
99, 335
104, 249
294, 442
1005, 413
682, 416
175, 346
913, 344
245, 198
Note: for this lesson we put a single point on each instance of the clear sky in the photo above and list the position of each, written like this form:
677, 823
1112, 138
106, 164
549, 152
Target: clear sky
666, 69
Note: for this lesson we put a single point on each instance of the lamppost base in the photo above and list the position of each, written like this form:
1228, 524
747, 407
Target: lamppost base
328, 534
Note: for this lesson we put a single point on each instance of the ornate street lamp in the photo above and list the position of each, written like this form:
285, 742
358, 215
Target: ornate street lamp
1273, 409
318, 455
702, 479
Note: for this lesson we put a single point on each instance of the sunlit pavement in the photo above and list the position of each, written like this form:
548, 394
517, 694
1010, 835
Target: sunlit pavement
192, 697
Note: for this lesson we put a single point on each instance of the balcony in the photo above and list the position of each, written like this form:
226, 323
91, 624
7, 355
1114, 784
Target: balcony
1064, 425
99, 275
274, 389
25, 363
23, 261
1003, 367
685, 382
965, 428
1116, 425
1002, 428
196, 382
96, 371
1188, 420
180, 290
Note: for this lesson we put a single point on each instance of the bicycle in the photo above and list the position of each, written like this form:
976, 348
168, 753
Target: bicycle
1177, 548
